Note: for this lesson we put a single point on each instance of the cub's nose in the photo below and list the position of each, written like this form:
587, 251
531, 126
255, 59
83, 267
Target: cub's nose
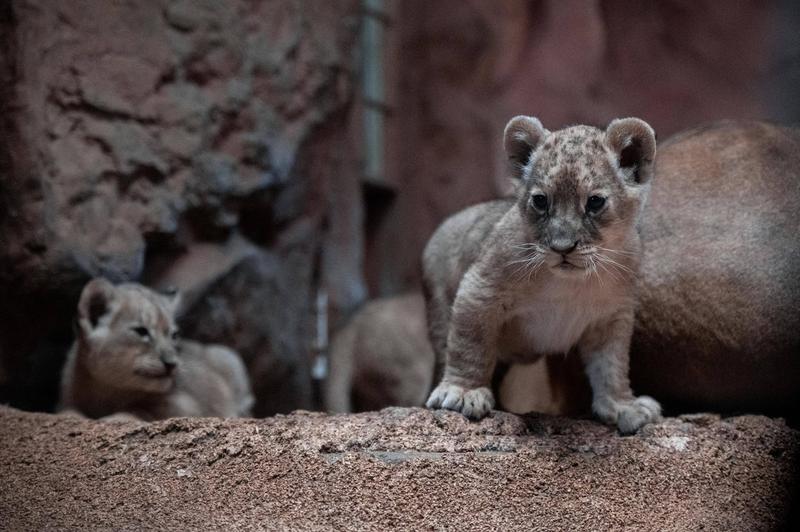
169, 362
563, 246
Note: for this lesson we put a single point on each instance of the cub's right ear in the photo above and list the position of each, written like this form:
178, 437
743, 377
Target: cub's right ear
522, 136
95, 303
633, 143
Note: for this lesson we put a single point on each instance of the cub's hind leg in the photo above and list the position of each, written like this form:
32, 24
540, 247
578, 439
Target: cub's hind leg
437, 309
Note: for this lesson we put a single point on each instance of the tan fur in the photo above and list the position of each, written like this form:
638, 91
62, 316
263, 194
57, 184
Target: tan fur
719, 325
127, 359
552, 385
510, 281
381, 358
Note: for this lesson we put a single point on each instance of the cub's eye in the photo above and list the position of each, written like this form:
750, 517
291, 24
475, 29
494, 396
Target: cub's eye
595, 203
175, 336
141, 331
539, 201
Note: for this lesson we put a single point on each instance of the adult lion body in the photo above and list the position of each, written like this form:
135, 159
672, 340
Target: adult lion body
718, 325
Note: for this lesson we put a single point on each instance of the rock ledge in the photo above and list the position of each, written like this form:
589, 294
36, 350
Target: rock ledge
397, 468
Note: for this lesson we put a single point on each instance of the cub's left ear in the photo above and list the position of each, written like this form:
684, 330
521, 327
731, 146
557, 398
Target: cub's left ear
522, 136
173, 298
633, 142
95, 304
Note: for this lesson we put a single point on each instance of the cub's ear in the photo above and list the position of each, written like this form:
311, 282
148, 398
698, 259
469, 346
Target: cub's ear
173, 298
633, 143
522, 136
95, 303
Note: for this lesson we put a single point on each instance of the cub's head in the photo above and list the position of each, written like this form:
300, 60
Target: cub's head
127, 336
582, 192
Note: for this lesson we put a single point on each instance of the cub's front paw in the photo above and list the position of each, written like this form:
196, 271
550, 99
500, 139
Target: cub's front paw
474, 403
628, 416
635, 414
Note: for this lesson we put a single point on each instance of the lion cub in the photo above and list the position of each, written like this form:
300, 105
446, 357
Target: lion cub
128, 359
548, 273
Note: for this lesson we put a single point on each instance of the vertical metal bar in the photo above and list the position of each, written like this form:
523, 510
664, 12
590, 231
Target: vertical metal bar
373, 90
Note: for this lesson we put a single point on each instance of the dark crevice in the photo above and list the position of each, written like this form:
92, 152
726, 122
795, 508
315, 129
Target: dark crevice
199, 74
202, 223
98, 112
142, 172
166, 78
257, 219
230, 122
101, 143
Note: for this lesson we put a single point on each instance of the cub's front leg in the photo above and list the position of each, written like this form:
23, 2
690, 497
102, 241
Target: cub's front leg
604, 349
471, 352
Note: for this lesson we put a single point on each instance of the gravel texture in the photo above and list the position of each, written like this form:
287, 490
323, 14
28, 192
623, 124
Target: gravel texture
400, 468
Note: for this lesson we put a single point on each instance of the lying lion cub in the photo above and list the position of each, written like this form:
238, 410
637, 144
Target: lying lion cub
128, 359
549, 273
381, 358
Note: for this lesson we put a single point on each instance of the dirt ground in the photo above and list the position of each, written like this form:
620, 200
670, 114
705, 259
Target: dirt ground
394, 469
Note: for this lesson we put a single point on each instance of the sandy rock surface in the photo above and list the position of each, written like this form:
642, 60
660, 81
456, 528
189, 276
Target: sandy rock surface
397, 468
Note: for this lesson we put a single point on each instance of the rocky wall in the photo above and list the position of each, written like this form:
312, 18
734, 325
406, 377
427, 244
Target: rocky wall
192, 143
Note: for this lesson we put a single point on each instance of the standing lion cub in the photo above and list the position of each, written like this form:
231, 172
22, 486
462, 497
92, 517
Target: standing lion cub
128, 359
549, 273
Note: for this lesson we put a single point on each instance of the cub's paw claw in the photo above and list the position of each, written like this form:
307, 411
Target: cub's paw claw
474, 403
634, 415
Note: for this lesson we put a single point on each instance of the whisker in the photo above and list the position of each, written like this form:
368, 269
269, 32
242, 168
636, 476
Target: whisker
616, 251
536, 267
527, 246
530, 260
592, 270
613, 265
609, 272
616, 264
520, 261
529, 263
520, 270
